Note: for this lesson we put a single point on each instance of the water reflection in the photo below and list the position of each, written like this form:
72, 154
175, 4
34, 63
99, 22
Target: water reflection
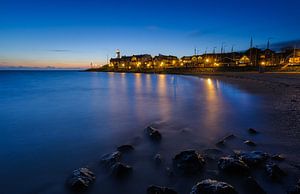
213, 106
163, 98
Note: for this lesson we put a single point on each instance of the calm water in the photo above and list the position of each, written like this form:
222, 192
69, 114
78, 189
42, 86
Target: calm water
54, 122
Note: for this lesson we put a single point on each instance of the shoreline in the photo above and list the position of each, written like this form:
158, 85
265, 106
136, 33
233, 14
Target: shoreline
280, 89
281, 94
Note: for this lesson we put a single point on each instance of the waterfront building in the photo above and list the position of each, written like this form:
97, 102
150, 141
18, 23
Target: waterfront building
141, 61
191, 61
165, 61
250, 57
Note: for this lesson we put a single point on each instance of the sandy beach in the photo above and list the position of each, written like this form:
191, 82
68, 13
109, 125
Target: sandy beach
282, 91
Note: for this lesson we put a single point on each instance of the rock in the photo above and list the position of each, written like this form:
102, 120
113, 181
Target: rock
228, 137
274, 172
278, 157
252, 158
121, 170
252, 131
125, 148
81, 179
158, 159
224, 139
233, 165
153, 133
111, 159
249, 143
160, 190
220, 143
296, 189
188, 162
251, 186
209, 186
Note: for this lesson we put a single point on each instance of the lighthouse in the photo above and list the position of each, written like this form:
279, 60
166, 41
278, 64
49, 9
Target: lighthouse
118, 54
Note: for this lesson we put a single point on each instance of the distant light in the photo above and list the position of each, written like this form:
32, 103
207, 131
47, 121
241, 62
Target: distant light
209, 81
207, 60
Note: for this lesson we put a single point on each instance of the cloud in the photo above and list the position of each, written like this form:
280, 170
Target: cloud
285, 44
60, 50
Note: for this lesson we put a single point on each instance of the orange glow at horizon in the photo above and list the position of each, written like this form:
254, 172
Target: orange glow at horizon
46, 63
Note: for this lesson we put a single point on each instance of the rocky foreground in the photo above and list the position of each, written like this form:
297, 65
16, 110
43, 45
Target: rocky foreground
237, 163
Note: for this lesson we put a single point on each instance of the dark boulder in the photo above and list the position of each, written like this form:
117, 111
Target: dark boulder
222, 141
209, 186
125, 148
252, 131
153, 133
233, 165
160, 190
81, 179
188, 162
251, 186
121, 170
249, 143
252, 158
278, 157
111, 159
274, 171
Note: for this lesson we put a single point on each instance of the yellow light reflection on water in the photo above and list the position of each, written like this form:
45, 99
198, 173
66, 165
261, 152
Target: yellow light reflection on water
212, 106
163, 98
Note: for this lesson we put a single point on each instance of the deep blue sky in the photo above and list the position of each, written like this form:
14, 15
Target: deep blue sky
74, 33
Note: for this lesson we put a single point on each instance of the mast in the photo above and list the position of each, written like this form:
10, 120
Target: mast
294, 55
251, 46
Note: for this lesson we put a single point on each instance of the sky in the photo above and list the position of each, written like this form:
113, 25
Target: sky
74, 33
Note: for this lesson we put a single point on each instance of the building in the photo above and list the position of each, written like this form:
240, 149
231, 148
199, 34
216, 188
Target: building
141, 61
191, 61
250, 57
165, 61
